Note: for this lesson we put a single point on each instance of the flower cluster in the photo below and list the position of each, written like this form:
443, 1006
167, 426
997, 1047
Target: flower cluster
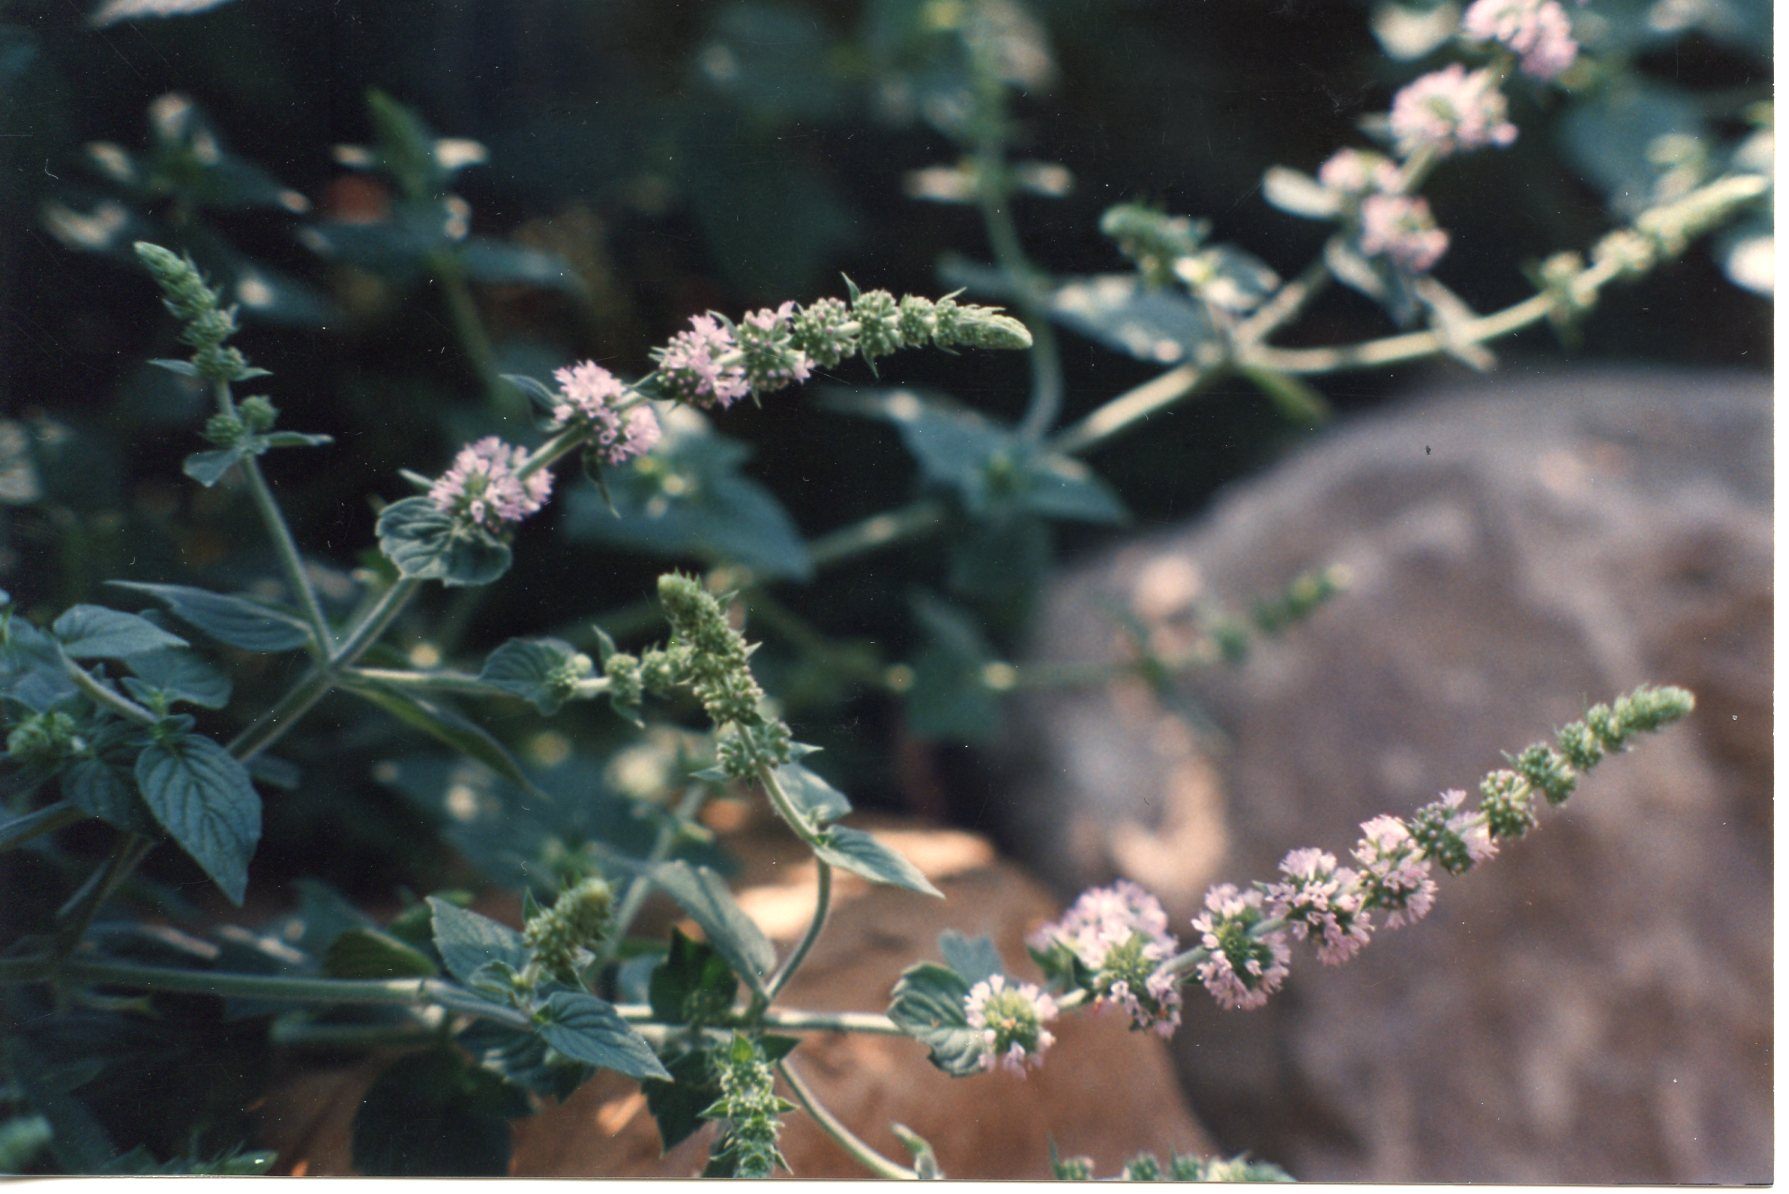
486, 487
1394, 871
206, 324
1245, 953
749, 1110
578, 919
1120, 935
716, 363
1319, 900
1449, 111
1011, 1019
1356, 173
1455, 837
1538, 31
593, 398
1401, 229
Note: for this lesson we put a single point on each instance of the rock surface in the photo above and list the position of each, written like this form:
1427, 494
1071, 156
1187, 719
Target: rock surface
1107, 1092
1595, 1005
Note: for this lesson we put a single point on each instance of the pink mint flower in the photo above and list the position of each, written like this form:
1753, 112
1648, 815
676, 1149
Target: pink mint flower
1449, 111
485, 487
1011, 1017
1243, 966
1453, 836
1357, 172
1120, 933
1539, 31
1320, 900
1401, 229
701, 366
1394, 872
591, 395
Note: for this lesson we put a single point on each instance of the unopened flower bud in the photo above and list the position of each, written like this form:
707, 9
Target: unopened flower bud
1508, 804
258, 413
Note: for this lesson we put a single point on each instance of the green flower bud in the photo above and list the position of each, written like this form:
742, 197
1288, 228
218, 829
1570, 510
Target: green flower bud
1580, 745
43, 738
578, 919
226, 431
717, 667
741, 750
749, 1111
1144, 1167
878, 319
1508, 804
820, 330
258, 413
1072, 1169
1547, 771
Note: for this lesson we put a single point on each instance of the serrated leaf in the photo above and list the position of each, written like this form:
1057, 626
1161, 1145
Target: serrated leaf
861, 854
466, 941
705, 896
94, 632
819, 802
234, 621
527, 667
424, 542
101, 790
587, 1029
692, 984
362, 952
211, 466
928, 1005
177, 674
975, 958
202, 796
442, 723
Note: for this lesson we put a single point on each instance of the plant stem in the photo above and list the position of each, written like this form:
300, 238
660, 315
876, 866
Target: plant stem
1132, 407
469, 329
785, 808
77, 913
48, 819
829, 1123
822, 902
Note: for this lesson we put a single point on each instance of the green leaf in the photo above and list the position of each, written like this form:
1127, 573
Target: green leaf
442, 723
432, 1115
949, 697
861, 854
94, 632
545, 397
467, 941
176, 674
692, 985
424, 542
203, 798
210, 467
587, 1029
975, 958
677, 1105
531, 668
1298, 194
690, 499
31, 670
294, 439
1062, 487
101, 790
704, 895
819, 802
495, 262
1120, 312
77, 1141
367, 953
522, 1058
928, 1005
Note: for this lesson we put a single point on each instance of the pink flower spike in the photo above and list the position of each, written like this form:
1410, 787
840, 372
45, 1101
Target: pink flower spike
484, 485
1450, 111
1539, 31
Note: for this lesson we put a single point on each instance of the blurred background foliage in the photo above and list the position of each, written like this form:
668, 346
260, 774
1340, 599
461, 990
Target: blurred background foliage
601, 169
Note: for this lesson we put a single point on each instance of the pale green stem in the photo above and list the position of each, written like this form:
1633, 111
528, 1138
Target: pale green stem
639, 887
829, 1123
106, 696
822, 902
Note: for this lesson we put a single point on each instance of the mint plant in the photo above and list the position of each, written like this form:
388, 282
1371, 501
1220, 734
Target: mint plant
115, 718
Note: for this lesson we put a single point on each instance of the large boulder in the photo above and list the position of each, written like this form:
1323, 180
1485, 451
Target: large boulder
1594, 1006
1106, 1092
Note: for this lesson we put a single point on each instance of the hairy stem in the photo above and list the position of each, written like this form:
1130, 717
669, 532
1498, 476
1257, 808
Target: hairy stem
822, 902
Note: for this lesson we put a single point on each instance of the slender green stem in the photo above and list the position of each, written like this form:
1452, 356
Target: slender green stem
829, 1123
822, 902
1411, 346
105, 695
458, 682
878, 531
284, 546
1130, 408
273, 724
304, 1035
48, 819
785, 808
390, 604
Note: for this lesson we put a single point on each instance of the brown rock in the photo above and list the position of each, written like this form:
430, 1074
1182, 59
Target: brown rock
1106, 1092
1595, 1005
